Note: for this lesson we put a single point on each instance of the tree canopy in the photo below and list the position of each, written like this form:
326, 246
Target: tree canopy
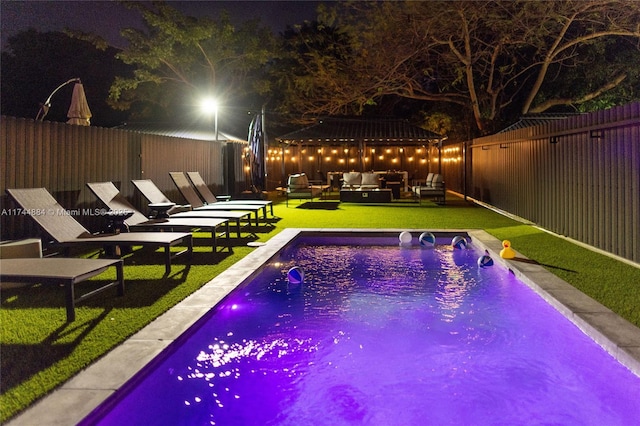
179, 59
464, 67
494, 59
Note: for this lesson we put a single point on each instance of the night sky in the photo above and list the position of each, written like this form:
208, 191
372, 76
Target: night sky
107, 17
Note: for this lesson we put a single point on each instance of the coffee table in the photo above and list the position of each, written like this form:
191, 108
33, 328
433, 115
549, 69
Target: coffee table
366, 196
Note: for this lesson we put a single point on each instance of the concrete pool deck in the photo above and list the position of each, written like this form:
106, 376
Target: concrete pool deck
76, 398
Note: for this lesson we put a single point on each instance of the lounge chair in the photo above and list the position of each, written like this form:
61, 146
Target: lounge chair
157, 198
188, 192
209, 198
109, 195
68, 232
69, 272
184, 212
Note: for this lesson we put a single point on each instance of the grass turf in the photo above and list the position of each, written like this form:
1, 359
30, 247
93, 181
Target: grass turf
39, 350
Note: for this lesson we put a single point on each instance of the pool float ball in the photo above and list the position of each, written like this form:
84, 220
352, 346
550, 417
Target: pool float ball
485, 260
295, 275
507, 252
427, 239
459, 242
405, 237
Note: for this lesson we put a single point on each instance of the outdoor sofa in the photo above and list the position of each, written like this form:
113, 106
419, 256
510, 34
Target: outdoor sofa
360, 180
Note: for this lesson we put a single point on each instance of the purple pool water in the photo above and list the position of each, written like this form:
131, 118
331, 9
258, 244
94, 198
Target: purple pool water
381, 335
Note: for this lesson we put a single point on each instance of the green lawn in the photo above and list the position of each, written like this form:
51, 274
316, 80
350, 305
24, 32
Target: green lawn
39, 350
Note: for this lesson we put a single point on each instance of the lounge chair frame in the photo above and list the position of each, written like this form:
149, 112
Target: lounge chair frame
68, 232
184, 185
154, 195
110, 196
69, 272
209, 198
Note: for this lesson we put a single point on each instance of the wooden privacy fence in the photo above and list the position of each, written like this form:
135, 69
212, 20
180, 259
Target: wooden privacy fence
62, 158
578, 177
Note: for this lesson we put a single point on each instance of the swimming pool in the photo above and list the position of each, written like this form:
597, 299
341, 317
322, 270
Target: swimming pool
380, 334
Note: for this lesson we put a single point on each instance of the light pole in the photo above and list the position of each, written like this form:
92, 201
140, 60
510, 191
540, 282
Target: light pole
210, 106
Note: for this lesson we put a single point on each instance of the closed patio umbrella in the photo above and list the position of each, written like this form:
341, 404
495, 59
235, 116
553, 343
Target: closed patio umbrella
256, 152
79, 112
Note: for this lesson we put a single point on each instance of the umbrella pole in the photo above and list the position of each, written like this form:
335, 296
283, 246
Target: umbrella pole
44, 108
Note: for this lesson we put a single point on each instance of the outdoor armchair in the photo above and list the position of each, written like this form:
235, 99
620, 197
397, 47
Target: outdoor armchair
433, 188
298, 187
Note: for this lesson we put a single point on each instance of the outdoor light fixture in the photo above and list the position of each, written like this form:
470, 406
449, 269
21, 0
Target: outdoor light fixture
596, 134
210, 106
44, 108
553, 139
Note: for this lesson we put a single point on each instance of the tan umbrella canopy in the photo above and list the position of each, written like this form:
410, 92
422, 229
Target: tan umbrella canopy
79, 112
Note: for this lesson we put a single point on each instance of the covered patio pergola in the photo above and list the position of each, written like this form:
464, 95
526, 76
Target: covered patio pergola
337, 145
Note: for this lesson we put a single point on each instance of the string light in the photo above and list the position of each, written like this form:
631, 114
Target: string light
379, 157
